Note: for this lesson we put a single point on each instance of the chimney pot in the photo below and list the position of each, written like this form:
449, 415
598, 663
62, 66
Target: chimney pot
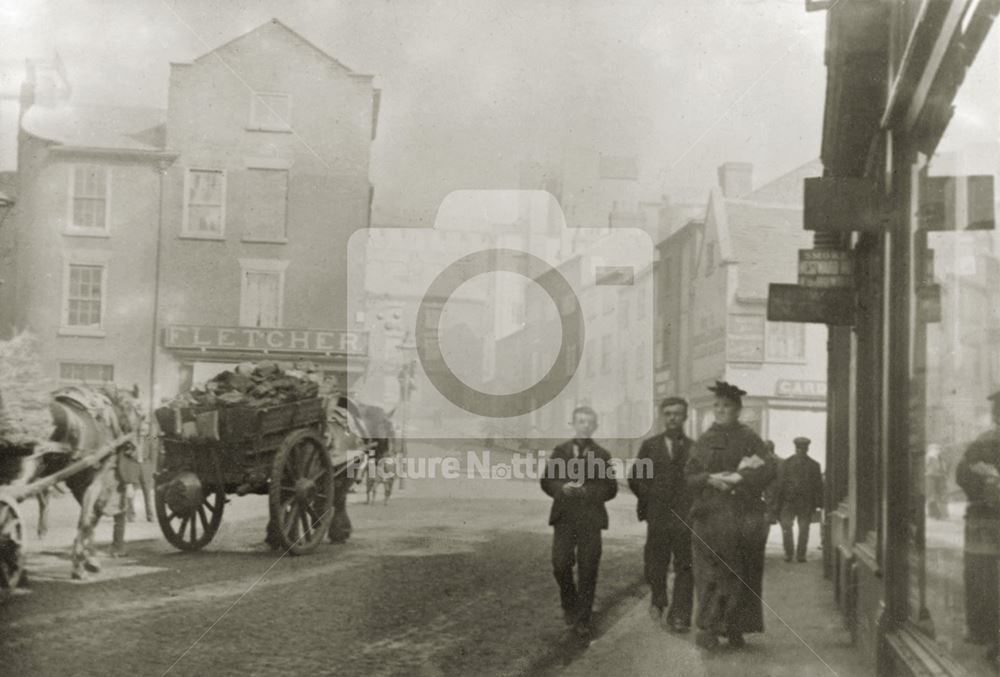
736, 179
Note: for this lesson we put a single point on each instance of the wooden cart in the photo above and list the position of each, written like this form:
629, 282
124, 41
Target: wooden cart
279, 451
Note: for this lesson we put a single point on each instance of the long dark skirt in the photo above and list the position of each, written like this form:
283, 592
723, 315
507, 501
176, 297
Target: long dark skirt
729, 568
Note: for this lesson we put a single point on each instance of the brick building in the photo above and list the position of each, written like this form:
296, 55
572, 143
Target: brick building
159, 246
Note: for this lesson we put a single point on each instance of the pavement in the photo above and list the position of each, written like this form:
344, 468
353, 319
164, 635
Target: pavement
804, 637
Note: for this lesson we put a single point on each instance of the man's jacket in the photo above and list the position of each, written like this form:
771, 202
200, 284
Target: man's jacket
657, 479
599, 483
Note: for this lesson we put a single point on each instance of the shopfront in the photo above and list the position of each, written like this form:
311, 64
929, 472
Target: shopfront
912, 126
197, 353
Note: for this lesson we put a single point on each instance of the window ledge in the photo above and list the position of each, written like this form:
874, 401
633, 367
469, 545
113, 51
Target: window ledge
86, 232
266, 240
273, 130
199, 236
88, 332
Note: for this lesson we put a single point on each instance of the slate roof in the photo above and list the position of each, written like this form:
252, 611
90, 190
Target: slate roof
105, 127
762, 231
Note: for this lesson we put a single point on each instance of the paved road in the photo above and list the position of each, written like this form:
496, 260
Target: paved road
451, 578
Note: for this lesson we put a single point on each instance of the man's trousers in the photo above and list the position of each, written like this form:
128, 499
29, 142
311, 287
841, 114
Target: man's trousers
667, 540
579, 543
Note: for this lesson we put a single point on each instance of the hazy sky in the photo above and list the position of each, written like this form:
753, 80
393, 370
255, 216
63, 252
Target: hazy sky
472, 88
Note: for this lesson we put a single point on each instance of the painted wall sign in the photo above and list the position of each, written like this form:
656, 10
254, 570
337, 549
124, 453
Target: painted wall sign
794, 388
841, 205
254, 339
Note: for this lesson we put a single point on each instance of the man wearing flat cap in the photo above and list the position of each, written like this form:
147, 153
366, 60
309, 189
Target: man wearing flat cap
798, 494
978, 473
657, 479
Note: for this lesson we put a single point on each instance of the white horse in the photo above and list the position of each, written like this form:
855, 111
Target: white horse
86, 420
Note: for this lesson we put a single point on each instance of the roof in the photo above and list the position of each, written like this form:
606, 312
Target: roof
104, 127
787, 188
762, 232
280, 24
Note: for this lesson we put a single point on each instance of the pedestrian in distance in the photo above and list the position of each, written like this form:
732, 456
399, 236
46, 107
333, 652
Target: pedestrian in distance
580, 479
727, 473
936, 472
664, 503
798, 496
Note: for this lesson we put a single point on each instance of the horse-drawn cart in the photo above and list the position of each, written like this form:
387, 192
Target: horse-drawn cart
279, 451
11, 522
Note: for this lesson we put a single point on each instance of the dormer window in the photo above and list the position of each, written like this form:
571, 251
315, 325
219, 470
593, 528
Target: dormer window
271, 111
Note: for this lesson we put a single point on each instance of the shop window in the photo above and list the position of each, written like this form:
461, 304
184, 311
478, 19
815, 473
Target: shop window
262, 290
89, 198
954, 428
86, 372
204, 203
266, 212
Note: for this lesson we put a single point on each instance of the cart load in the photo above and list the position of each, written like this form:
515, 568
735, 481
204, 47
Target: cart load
258, 429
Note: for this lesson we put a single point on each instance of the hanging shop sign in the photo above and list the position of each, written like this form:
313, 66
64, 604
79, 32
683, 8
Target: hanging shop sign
841, 205
826, 268
817, 305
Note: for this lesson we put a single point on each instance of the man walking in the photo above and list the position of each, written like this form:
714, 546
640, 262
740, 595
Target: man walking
657, 479
580, 479
799, 493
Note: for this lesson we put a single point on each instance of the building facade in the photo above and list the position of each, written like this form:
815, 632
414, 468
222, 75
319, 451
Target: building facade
160, 247
711, 297
910, 160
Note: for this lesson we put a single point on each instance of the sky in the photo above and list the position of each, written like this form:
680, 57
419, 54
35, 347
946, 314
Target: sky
471, 89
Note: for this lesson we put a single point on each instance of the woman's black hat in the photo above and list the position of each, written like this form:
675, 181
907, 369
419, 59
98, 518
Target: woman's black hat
728, 391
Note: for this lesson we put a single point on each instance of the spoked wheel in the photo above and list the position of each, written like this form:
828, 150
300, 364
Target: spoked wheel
11, 540
189, 513
301, 494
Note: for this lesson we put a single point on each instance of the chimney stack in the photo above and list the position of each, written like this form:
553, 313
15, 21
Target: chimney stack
736, 179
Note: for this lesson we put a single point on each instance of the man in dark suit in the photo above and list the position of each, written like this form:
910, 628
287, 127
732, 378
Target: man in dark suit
657, 479
580, 478
798, 494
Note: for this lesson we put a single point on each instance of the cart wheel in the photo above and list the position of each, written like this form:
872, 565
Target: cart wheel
11, 539
301, 494
189, 515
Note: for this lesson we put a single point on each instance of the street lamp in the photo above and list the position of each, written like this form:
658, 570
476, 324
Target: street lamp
408, 348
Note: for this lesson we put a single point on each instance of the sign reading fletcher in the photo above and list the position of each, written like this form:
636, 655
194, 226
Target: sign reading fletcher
252, 339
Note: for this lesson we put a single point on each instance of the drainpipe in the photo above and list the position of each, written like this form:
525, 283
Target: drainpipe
161, 169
